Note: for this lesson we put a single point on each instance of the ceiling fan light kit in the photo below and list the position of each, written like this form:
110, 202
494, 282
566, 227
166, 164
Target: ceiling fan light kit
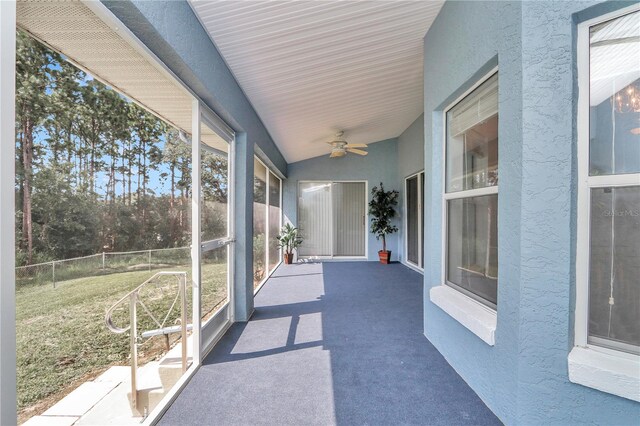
341, 147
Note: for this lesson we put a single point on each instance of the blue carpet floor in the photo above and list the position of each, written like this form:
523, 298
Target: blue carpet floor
332, 343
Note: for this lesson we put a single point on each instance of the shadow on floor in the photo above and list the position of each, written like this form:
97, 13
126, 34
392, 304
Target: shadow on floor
332, 343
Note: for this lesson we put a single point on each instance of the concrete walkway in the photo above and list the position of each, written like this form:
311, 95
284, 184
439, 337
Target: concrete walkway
333, 343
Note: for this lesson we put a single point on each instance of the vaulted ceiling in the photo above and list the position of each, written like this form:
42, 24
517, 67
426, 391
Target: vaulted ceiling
311, 68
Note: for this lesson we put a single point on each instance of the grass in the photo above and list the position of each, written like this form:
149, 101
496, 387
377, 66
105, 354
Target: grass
62, 339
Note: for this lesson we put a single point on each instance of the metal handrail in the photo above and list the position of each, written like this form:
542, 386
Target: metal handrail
133, 299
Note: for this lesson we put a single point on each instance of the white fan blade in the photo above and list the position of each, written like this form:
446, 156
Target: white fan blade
356, 145
357, 151
337, 154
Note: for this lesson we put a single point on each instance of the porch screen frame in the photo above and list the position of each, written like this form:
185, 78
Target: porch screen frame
212, 329
8, 391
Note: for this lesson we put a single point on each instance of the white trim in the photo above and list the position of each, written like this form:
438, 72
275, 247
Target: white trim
469, 193
473, 315
605, 369
582, 205
280, 224
366, 219
466, 93
631, 179
605, 372
231, 223
196, 217
229, 239
7, 213
490, 190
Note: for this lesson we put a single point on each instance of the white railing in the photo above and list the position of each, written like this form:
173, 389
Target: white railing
135, 299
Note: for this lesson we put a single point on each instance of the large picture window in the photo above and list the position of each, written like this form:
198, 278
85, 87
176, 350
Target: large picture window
609, 199
471, 193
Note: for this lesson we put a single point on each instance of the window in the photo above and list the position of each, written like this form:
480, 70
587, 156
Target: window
414, 223
607, 313
471, 194
609, 209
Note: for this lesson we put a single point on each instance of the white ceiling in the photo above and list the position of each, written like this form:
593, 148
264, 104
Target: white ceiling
311, 68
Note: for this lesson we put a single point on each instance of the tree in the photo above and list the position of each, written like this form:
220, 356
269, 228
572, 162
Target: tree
87, 166
33, 80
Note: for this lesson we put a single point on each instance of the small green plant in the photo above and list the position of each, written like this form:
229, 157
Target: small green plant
382, 211
288, 239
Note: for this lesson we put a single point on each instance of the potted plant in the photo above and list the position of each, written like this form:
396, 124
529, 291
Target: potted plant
382, 210
289, 240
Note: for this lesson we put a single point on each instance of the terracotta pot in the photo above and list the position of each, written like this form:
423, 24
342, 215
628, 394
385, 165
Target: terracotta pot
288, 258
385, 256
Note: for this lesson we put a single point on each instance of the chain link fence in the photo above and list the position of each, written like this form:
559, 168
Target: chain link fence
102, 264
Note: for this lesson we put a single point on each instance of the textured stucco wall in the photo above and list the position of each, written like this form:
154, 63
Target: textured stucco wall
411, 149
462, 45
410, 161
379, 166
523, 378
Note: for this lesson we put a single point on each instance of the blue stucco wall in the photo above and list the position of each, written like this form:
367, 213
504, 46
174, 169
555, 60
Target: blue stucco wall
410, 161
379, 166
411, 149
523, 378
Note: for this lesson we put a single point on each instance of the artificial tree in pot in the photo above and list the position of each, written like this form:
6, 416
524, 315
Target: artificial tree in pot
288, 241
382, 211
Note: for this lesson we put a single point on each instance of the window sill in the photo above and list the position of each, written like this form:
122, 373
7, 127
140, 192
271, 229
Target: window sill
476, 317
605, 372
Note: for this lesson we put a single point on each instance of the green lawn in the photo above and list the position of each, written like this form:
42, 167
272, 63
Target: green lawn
62, 339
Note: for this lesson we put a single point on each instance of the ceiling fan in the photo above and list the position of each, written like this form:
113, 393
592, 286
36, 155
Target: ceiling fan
341, 146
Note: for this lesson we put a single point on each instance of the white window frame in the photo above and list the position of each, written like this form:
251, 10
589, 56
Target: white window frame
213, 328
366, 218
469, 193
476, 316
602, 368
267, 235
405, 257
